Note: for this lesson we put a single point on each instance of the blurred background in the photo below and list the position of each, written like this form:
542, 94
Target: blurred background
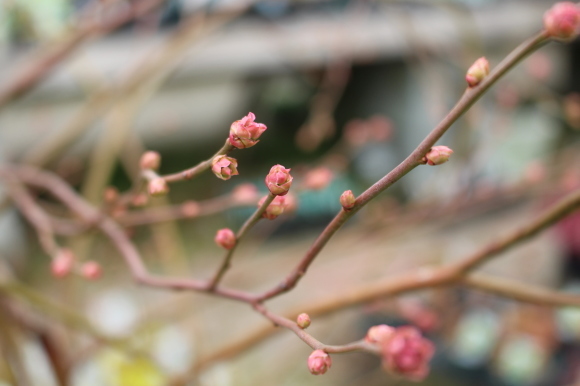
347, 89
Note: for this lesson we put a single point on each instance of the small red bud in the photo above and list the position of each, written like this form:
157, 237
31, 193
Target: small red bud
438, 155
303, 320
158, 187
279, 180
562, 21
62, 263
347, 200
477, 72
224, 167
276, 207
407, 353
319, 362
379, 334
225, 238
245, 132
150, 160
91, 270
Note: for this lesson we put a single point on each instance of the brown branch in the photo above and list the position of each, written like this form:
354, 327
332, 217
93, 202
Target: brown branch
470, 96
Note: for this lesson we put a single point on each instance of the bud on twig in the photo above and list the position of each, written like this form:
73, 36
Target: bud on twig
245, 132
407, 353
279, 180
437, 155
562, 21
158, 187
379, 334
477, 72
224, 167
303, 321
347, 200
62, 263
150, 160
319, 362
225, 238
275, 209
91, 270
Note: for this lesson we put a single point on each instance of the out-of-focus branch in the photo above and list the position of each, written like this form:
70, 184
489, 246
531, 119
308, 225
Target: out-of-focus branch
43, 62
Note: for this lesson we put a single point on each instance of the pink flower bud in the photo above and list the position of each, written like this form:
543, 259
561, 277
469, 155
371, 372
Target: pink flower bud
158, 187
318, 179
279, 180
91, 270
562, 21
347, 200
245, 132
407, 353
319, 362
303, 320
224, 167
62, 263
150, 160
437, 155
379, 334
225, 238
276, 207
245, 194
110, 195
478, 70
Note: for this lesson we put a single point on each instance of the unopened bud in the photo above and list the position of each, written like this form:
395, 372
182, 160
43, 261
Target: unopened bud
319, 362
347, 200
437, 155
318, 179
303, 320
562, 21
190, 209
225, 238
407, 353
91, 270
224, 167
158, 187
276, 207
150, 160
279, 180
110, 195
477, 72
62, 263
379, 334
245, 132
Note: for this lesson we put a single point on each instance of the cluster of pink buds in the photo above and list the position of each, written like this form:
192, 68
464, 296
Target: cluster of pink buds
477, 72
224, 167
276, 207
404, 350
279, 180
245, 132
562, 21
319, 362
225, 238
437, 155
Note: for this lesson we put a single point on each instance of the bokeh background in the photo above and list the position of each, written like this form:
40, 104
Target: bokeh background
352, 86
